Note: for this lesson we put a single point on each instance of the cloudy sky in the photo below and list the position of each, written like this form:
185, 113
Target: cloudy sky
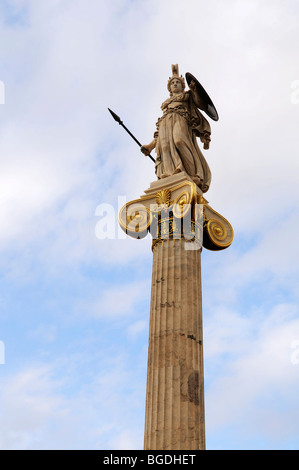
74, 306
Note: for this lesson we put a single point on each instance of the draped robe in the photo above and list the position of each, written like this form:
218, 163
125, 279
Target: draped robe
176, 146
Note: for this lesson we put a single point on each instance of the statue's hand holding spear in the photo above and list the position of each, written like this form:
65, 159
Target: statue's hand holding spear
146, 149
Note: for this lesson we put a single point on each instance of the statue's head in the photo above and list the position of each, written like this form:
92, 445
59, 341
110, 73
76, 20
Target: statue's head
176, 83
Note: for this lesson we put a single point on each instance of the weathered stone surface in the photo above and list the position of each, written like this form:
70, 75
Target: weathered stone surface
175, 379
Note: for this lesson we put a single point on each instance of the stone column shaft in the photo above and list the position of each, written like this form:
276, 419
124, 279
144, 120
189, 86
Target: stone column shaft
175, 379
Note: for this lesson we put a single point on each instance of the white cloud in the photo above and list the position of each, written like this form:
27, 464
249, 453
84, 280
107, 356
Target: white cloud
136, 328
60, 117
27, 403
43, 406
125, 440
258, 379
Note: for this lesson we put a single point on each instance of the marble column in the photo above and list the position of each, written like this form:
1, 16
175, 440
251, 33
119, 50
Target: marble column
181, 222
175, 376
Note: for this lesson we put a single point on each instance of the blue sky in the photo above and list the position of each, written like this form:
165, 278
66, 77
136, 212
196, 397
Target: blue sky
74, 308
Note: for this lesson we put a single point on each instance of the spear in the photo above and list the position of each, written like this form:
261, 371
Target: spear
117, 119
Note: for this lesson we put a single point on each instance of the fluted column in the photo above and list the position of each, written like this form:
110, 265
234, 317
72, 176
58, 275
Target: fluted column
181, 222
175, 379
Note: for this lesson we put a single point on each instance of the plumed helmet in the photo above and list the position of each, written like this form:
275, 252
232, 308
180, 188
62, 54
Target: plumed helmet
175, 74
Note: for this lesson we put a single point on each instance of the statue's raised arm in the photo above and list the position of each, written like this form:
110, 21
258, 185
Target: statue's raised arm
176, 131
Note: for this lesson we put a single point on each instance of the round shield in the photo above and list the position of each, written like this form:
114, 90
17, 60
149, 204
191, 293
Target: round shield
208, 106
